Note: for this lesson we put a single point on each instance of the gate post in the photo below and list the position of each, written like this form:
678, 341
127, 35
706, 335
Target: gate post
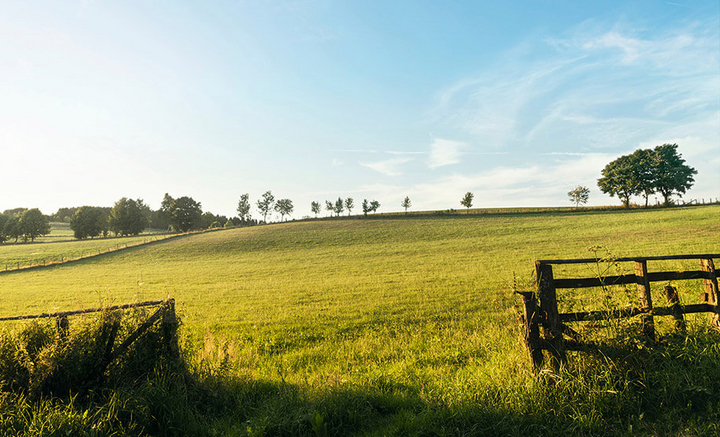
711, 289
531, 316
644, 298
552, 328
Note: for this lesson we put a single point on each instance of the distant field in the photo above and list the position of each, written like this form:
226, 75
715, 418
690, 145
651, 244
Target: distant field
418, 309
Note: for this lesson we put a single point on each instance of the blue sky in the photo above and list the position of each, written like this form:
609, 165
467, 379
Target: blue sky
518, 102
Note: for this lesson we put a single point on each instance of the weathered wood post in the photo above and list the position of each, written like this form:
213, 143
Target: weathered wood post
711, 289
644, 298
552, 328
169, 328
531, 316
677, 312
63, 326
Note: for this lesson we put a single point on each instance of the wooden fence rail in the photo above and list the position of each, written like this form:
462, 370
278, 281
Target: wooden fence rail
165, 314
540, 309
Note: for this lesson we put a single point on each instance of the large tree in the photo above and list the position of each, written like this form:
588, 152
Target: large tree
3, 220
128, 217
88, 221
265, 205
374, 205
33, 224
672, 176
185, 214
284, 207
619, 178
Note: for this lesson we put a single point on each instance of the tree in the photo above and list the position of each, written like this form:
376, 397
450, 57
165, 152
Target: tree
185, 214
127, 217
315, 208
3, 221
672, 176
329, 206
33, 224
284, 207
88, 221
406, 203
374, 205
265, 205
11, 230
579, 195
467, 201
243, 208
644, 169
619, 177
366, 207
349, 204
339, 206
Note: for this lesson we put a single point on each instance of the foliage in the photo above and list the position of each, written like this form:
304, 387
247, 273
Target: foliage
579, 195
128, 217
467, 200
374, 205
406, 203
32, 224
349, 204
265, 205
672, 176
645, 172
88, 221
284, 207
315, 207
185, 213
329, 206
365, 206
243, 208
339, 206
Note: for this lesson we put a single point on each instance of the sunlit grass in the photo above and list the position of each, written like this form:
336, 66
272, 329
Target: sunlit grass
411, 322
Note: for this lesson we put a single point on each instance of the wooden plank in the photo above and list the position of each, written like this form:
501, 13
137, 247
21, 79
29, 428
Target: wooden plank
645, 299
627, 259
548, 306
585, 316
90, 310
630, 279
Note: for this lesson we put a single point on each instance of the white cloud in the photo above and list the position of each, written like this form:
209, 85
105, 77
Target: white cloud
388, 167
444, 152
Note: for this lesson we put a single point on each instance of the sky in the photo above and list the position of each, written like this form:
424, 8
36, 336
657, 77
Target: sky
518, 102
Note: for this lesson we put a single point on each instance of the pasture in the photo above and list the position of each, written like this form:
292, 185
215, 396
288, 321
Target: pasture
401, 325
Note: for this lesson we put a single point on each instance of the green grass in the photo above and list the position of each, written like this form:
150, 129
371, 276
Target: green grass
390, 326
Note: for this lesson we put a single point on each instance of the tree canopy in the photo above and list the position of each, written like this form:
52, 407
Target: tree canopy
265, 205
467, 200
644, 172
184, 212
88, 221
128, 217
578, 195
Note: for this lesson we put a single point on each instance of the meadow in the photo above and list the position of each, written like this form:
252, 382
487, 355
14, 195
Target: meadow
398, 326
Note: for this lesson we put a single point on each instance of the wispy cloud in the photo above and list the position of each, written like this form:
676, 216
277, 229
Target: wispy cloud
445, 152
388, 167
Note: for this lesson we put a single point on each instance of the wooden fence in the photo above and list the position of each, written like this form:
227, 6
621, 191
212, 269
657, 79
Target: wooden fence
165, 314
541, 308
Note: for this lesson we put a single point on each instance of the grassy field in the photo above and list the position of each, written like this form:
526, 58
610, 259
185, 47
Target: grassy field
404, 326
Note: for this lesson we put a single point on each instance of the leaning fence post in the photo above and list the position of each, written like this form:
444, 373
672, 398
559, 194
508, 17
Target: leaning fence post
531, 316
644, 298
549, 310
63, 326
169, 328
711, 289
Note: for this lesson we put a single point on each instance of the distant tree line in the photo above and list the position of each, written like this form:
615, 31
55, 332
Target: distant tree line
22, 223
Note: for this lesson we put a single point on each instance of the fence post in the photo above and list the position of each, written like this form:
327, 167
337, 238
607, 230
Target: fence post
711, 289
674, 302
531, 318
644, 298
548, 309
169, 328
62, 327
